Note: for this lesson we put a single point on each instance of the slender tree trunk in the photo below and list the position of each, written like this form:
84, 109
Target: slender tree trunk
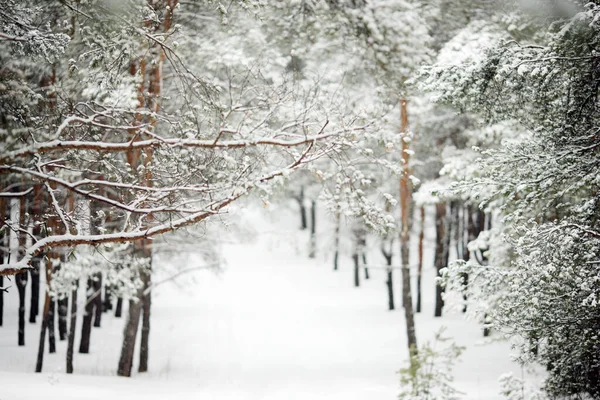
145, 342
40, 356
364, 254
50, 325
72, 328
466, 256
337, 240
440, 244
63, 314
107, 304
21, 280
130, 334
420, 265
119, 308
86, 327
405, 205
34, 308
3, 245
303, 219
389, 282
356, 269
313, 229
98, 300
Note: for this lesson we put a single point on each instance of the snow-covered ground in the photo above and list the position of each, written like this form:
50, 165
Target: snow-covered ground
273, 325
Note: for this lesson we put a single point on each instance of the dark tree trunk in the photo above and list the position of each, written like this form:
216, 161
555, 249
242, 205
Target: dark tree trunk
119, 308
145, 342
313, 230
86, 328
131, 328
356, 270
420, 265
98, 300
3, 245
51, 330
73, 325
440, 253
337, 241
364, 255
34, 308
40, 356
389, 281
63, 313
21, 280
107, 303
466, 253
303, 219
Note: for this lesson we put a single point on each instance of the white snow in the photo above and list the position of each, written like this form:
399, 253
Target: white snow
273, 325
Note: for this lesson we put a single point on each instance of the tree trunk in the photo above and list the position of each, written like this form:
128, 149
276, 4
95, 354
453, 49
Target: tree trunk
313, 229
147, 278
40, 356
356, 270
86, 327
405, 205
440, 244
389, 282
3, 245
303, 219
34, 308
420, 265
21, 280
63, 312
50, 325
130, 334
73, 324
98, 300
364, 254
337, 241
107, 304
119, 308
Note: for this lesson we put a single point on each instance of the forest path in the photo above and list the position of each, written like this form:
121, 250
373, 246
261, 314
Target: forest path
273, 325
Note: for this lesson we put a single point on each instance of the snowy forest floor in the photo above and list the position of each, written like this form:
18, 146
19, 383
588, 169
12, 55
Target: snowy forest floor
273, 324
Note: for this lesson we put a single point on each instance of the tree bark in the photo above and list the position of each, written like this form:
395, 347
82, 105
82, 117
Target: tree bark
86, 327
21, 280
34, 308
389, 282
420, 265
440, 244
356, 269
363, 247
40, 356
337, 241
129, 336
145, 342
73, 324
405, 205
98, 300
107, 303
119, 308
63, 313
313, 230
303, 219
50, 325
